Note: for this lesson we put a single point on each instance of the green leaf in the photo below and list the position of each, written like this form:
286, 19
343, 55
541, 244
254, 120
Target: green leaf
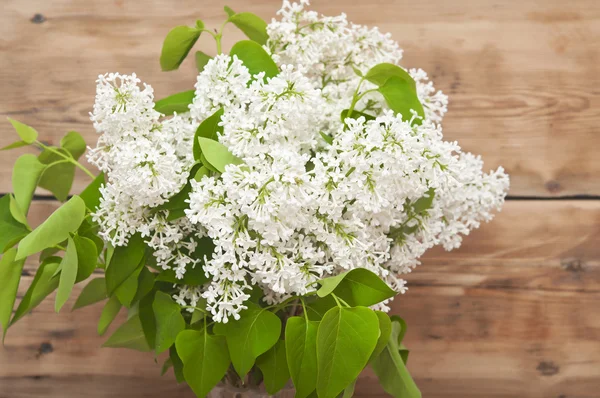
175, 103
201, 60
345, 340
124, 262
349, 391
177, 45
87, 257
205, 359
327, 138
229, 11
301, 350
318, 307
400, 329
168, 364
26, 174
109, 313
74, 143
217, 154
401, 98
385, 329
177, 365
27, 133
91, 194
424, 203
127, 290
391, 370
210, 129
16, 211
92, 293
68, 274
198, 315
255, 58
10, 275
252, 25
380, 73
355, 115
56, 229
252, 335
145, 284
17, 144
129, 335
146, 314
169, 321
11, 230
58, 178
274, 367
357, 287
43, 284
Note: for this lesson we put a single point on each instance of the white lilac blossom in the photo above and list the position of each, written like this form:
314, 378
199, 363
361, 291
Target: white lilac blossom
378, 195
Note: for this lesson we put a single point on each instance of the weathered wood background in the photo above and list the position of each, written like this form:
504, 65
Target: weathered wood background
514, 313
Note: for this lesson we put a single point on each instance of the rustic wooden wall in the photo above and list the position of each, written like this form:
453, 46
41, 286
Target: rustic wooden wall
513, 313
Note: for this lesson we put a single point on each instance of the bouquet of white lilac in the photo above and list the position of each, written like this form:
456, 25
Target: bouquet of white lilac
257, 227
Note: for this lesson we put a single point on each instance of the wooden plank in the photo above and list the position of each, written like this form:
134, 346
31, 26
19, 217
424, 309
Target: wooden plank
522, 74
513, 313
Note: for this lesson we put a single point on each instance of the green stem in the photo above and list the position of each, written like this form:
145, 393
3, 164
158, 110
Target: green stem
68, 158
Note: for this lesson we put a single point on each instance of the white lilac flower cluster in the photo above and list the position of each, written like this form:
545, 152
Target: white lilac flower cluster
377, 195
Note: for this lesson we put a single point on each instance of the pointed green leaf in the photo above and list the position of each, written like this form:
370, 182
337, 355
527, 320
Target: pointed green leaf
401, 98
43, 284
274, 367
65, 220
179, 103
253, 334
380, 73
177, 45
27, 133
68, 274
26, 174
74, 143
301, 349
327, 138
210, 129
146, 314
205, 359
169, 321
385, 329
217, 154
11, 230
345, 340
127, 290
168, 364
129, 335
357, 287
229, 11
92, 293
87, 257
10, 275
16, 211
255, 58
14, 145
145, 284
109, 313
124, 262
201, 60
252, 25
177, 365
91, 194
392, 372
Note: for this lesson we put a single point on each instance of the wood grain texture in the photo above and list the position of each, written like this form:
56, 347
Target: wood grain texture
522, 75
513, 313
